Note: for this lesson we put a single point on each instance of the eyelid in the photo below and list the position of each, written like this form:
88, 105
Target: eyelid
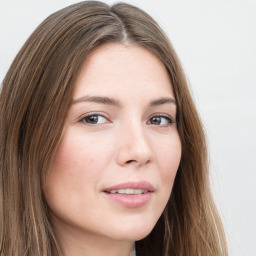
80, 119
163, 115
169, 117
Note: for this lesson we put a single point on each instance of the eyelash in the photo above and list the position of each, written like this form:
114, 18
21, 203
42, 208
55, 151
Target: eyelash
83, 119
170, 120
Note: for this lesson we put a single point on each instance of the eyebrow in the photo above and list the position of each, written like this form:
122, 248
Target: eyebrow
98, 99
162, 101
117, 103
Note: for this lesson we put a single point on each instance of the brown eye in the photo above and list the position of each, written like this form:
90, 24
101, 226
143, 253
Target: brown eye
94, 119
91, 119
156, 120
160, 120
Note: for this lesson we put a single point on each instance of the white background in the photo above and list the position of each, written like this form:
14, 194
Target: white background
216, 42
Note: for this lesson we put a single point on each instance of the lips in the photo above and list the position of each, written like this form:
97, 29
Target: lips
128, 191
130, 194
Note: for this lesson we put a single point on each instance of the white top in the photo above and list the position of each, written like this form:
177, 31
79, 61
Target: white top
133, 253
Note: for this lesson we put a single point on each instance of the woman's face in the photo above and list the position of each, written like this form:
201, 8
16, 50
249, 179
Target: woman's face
114, 169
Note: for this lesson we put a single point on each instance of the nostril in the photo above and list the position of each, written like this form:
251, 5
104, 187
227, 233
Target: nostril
138, 162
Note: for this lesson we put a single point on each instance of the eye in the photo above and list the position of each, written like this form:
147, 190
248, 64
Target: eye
93, 119
160, 120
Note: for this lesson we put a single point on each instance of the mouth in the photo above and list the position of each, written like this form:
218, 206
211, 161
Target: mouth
130, 194
128, 191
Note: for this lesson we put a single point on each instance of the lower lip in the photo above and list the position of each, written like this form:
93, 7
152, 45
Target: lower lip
130, 201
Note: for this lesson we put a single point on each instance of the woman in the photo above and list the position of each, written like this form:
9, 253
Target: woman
101, 142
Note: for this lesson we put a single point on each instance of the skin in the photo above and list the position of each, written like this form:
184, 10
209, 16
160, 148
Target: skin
110, 142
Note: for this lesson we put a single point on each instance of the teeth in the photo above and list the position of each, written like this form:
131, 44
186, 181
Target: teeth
129, 191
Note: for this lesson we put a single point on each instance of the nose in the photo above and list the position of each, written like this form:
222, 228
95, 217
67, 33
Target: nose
133, 147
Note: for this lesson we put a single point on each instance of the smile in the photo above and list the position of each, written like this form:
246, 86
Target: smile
130, 194
129, 191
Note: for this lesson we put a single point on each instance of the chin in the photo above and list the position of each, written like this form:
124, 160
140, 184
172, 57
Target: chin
133, 231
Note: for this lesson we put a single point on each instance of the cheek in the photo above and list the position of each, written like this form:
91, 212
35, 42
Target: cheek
169, 156
78, 156
77, 166
71, 172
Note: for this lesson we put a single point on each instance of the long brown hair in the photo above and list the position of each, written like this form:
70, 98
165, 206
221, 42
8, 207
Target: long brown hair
35, 98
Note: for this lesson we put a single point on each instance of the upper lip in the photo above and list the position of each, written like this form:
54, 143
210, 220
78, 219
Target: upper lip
145, 185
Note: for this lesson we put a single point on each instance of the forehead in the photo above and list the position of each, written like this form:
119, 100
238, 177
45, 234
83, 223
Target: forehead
122, 69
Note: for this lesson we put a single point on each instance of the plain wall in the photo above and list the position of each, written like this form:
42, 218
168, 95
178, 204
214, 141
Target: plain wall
216, 42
